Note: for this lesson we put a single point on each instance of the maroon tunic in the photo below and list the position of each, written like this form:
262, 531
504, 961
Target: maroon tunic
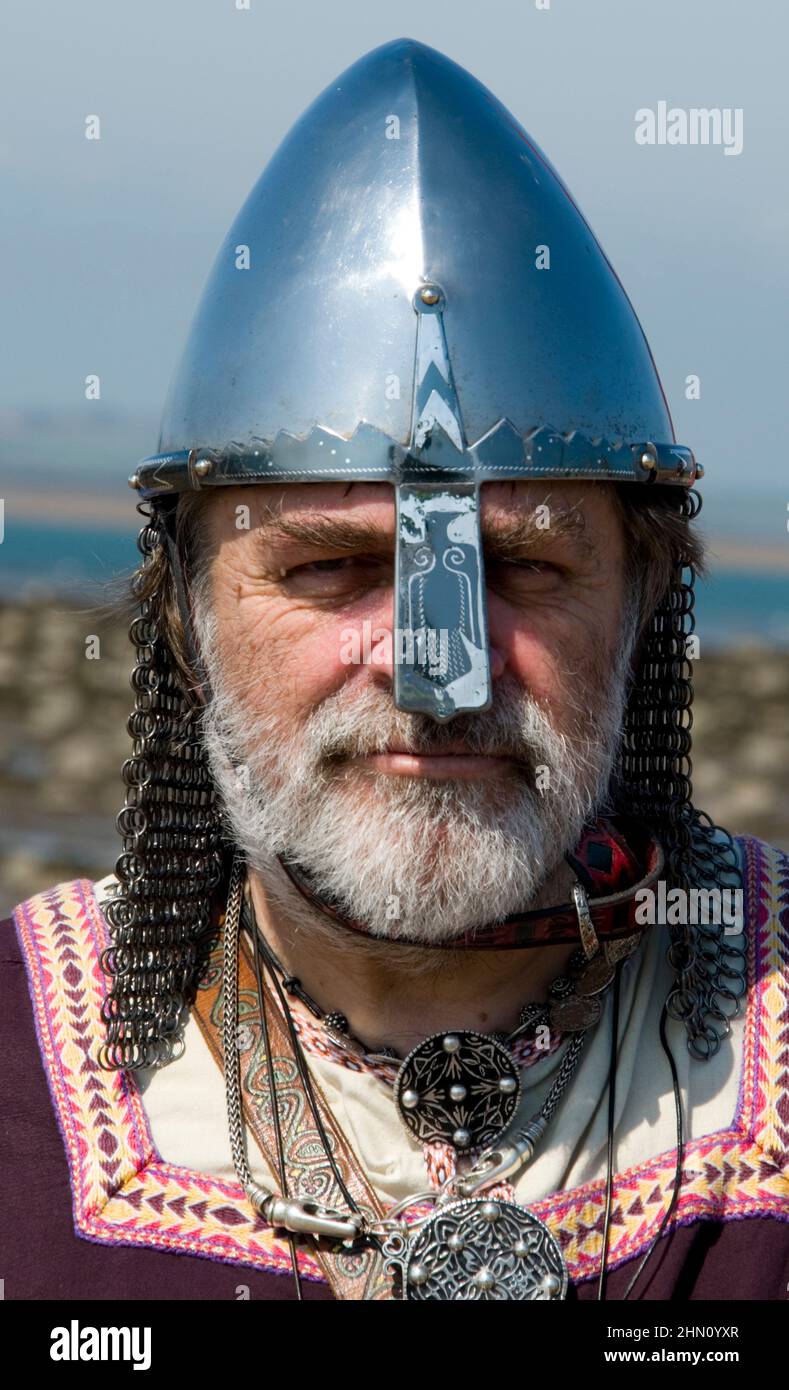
90, 1211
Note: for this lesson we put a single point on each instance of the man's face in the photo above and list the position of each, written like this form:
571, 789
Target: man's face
420, 829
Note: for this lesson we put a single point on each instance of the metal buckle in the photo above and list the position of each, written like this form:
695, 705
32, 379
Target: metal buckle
311, 1218
589, 939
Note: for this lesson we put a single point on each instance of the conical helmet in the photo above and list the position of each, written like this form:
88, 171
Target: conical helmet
411, 295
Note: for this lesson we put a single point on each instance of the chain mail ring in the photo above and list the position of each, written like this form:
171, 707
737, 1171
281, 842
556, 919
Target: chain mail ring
159, 918
656, 768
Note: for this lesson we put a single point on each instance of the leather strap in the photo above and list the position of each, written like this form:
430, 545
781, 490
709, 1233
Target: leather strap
613, 914
351, 1276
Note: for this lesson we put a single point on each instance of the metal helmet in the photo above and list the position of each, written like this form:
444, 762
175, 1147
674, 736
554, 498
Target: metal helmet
409, 295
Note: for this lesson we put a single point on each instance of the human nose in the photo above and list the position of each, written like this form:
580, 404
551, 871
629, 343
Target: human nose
434, 669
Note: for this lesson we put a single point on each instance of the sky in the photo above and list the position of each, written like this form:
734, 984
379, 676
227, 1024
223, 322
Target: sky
105, 245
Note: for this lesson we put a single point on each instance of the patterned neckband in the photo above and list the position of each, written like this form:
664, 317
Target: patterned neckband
616, 859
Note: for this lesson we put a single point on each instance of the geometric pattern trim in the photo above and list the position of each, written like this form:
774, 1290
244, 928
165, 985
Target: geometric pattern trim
125, 1194
122, 1191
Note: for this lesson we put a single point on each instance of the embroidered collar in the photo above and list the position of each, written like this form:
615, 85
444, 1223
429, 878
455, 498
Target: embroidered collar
125, 1194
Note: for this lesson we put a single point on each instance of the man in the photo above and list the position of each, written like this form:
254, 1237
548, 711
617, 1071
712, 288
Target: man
419, 977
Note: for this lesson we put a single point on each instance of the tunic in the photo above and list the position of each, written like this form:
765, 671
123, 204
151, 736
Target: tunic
120, 1185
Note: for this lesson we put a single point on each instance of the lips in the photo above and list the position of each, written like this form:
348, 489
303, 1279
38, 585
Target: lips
455, 749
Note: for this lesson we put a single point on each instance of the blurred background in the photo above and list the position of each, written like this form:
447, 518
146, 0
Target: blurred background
105, 245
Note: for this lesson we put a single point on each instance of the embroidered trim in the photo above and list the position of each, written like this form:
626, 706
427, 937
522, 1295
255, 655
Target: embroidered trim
124, 1194
317, 1043
122, 1191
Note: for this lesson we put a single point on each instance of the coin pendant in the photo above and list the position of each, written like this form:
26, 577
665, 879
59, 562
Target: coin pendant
479, 1250
574, 1014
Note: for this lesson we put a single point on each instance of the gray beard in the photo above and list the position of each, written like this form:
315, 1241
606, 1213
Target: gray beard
413, 860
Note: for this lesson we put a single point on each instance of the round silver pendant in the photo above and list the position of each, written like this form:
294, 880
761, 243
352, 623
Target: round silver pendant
458, 1088
594, 977
575, 1014
482, 1249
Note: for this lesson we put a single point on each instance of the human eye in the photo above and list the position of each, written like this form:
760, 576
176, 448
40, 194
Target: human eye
337, 575
323, 566
524, 575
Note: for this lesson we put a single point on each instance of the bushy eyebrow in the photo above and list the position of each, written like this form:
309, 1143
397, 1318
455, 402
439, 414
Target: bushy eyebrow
508, 536
505, 536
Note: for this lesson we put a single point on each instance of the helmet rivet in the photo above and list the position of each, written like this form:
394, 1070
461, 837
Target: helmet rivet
429, 295
699, 470
648, 460
134, 480
203, 467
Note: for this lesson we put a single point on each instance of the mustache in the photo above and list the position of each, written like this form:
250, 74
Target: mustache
361, 723
496, 738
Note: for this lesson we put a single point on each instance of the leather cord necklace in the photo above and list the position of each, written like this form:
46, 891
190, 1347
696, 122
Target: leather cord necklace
292, 986
471, 1081
425, 1258
462, 1215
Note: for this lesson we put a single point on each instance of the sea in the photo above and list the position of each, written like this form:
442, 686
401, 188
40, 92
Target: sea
90, 564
